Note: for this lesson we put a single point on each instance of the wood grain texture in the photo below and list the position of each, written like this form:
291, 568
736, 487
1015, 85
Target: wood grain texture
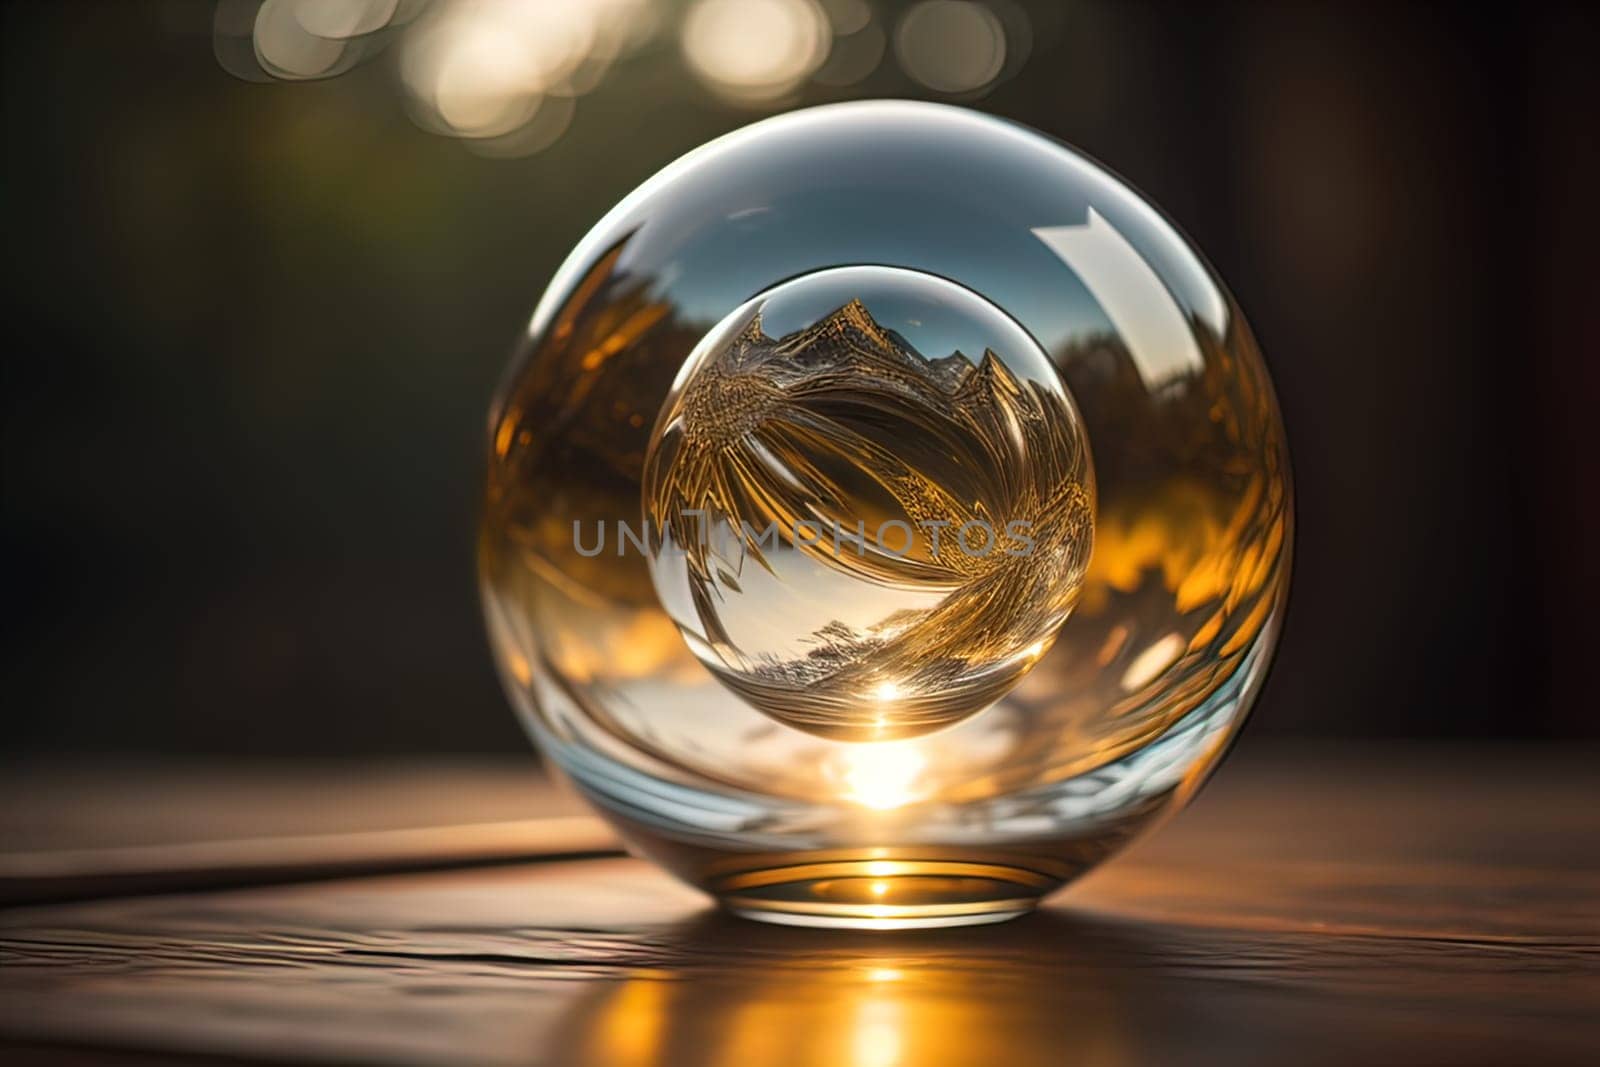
1408, 906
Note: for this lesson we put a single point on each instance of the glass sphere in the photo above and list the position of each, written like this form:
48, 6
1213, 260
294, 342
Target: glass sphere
872, 501
888, 514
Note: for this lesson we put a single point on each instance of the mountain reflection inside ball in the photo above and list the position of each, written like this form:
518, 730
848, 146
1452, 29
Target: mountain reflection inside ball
872, 502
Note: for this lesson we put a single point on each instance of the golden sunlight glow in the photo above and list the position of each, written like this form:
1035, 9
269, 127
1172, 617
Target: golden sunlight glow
630, 1033
882, 775
877, 1034
821, 1010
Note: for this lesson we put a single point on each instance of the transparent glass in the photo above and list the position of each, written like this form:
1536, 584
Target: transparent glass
888, 515
858, 537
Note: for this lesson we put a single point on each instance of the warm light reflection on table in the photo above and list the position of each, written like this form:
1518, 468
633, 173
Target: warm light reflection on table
872, 1002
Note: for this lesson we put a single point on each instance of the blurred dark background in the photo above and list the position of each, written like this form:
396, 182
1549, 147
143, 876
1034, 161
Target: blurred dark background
253, 329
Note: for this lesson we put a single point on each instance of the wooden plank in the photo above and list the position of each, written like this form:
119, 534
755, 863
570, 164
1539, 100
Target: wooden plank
87, 874
1403, 907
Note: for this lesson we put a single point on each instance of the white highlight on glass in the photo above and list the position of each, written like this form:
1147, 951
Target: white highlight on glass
1144, 313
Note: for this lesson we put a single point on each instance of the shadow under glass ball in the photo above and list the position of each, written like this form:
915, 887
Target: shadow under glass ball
871, 502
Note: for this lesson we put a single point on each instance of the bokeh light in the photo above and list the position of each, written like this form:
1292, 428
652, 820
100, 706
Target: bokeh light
858, 44
951, 46
233, 39
755, 50
847, 16
486, 68
339, 20
501, 76
285, 50
548, 122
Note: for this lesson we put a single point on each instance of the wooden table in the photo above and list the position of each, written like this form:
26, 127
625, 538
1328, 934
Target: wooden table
1411, 904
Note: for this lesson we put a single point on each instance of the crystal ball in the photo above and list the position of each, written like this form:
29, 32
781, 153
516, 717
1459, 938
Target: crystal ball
888, 515
872, 500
